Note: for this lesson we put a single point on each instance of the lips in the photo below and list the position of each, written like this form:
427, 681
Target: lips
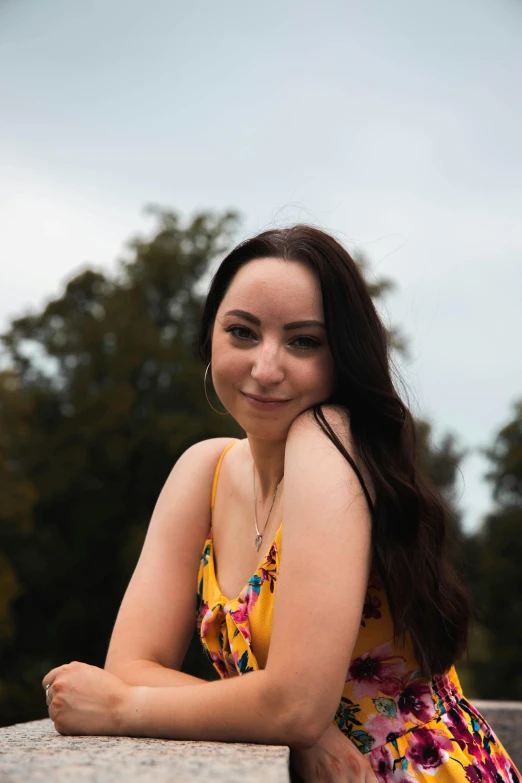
265, 399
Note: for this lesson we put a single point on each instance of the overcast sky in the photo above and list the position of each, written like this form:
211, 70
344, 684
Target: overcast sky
395, 125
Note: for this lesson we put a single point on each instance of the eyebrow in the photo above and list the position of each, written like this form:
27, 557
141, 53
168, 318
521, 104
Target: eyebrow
292, 325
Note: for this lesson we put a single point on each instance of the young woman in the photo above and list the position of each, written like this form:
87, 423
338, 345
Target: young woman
324, 575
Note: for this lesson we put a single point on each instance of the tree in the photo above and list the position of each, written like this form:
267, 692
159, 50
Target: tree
104, 394
495, 575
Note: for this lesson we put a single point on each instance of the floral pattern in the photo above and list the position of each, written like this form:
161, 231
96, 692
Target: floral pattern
411, 729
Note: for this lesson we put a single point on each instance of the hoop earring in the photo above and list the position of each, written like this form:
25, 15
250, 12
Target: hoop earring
206, 395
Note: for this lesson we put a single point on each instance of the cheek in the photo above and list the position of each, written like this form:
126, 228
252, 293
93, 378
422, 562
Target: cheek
328, 373
227, 364
314, 377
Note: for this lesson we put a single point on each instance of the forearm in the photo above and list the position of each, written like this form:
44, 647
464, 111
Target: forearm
155, 675
239, 709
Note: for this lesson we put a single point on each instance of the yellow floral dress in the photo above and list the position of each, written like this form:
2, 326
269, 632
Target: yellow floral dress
411, 729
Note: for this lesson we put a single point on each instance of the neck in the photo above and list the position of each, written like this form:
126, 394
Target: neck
269, 458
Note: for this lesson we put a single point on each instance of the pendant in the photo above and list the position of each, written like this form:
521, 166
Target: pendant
259, 539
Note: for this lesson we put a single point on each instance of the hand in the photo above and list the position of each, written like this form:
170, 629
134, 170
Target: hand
333, 759
85, 699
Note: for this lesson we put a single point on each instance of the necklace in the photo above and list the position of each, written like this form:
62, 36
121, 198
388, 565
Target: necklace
259, 536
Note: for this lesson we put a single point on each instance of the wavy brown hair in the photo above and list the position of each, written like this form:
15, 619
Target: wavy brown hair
411, 521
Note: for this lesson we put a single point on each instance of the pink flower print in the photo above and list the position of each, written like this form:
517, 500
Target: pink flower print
467, 734
377, 671
219, 664
372, 607
230, 660
487, 769
454, 720
203, 609
270, 577
416, 700
239, 610
428, 749
240, 617
248, 598
207, 621
250, 595
501, 760
382, 763
374, 580
381, 726
271, 557
240, 613
473, 774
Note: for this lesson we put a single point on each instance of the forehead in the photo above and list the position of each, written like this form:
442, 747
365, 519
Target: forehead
274, 286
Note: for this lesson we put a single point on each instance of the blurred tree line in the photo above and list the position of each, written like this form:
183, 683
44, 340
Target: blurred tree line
101, 393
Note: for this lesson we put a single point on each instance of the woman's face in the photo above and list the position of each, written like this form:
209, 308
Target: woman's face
254, 354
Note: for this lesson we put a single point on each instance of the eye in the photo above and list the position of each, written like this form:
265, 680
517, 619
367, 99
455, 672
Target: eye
234, 329
312, 342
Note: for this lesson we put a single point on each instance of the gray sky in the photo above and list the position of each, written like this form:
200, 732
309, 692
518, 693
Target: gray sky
396, 126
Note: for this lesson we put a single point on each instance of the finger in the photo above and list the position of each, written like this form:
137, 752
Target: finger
48, 696
51, 709
51, 676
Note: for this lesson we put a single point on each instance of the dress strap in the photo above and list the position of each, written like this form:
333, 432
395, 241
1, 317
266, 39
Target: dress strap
216, 473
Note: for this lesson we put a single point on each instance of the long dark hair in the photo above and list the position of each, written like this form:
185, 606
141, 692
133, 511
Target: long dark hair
411, 521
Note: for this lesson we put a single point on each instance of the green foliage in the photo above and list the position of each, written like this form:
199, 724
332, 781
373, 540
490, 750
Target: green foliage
495, 554
104, 393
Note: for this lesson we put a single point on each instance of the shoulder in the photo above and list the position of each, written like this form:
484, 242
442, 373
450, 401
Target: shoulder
204, 455
188, 487
310, 440
208, 448
306, 427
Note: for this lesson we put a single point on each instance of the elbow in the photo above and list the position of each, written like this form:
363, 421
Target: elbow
118, 671
302, 731
299, 726
125, 671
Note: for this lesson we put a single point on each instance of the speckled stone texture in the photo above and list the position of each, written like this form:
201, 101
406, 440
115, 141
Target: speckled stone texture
505, 718
34, 752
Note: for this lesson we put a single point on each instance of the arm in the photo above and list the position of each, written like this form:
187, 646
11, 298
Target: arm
157, 616
324, 567
155, 675
239, 709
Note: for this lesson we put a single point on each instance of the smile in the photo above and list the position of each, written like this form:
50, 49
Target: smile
261, 405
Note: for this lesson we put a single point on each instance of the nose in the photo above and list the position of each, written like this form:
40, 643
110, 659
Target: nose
267, 369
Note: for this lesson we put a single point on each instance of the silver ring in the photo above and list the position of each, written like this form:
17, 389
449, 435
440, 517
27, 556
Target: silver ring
47, 694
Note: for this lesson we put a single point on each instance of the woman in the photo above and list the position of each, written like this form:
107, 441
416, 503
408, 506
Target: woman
352, 665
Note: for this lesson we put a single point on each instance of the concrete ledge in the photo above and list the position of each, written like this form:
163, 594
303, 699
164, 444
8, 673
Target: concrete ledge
33, 752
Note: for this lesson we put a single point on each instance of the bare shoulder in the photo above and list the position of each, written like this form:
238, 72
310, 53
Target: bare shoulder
182, 509
193, 472
337, 418
307, 435
203, 456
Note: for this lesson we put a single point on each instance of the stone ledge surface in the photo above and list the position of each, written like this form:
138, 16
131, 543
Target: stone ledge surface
34, 752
